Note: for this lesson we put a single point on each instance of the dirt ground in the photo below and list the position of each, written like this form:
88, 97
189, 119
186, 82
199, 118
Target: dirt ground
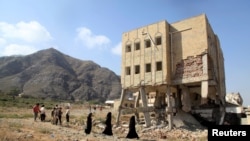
26, 129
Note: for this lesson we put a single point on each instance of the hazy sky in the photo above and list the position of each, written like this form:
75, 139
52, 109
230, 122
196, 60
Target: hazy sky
92, 29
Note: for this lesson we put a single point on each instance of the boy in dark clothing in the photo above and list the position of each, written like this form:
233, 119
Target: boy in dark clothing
67, 115
53, 116
59, 115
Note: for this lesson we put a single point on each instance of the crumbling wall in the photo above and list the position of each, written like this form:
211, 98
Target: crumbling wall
190, 67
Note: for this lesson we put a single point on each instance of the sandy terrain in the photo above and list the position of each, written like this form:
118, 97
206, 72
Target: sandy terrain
26, 129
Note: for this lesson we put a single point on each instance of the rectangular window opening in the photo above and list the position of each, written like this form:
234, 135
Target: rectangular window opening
158, 40
137, 46
158, 66
128, 48
148, 67
127, 71
147, 43
137, 69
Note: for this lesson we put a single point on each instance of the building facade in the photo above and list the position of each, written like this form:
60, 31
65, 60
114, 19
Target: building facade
183, 59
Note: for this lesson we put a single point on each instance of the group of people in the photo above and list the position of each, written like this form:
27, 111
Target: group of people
108, 126
56, 114
39, 110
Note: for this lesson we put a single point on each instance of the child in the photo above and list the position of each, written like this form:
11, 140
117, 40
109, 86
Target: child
59, 116
53, 116
67, 115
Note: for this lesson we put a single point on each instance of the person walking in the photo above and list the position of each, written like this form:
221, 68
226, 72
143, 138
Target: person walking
59, 116
67, 114
42, 113
132, 131
89, 124
108, 128
53, 115
36, 111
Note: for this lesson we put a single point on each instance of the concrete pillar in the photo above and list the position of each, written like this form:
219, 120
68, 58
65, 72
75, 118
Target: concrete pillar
120, 107
186, 102
153, 64
145, 105
204, 84
170, 109
137, 105
204, 92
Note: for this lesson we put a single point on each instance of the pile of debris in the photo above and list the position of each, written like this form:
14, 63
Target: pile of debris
234, 98
185, 127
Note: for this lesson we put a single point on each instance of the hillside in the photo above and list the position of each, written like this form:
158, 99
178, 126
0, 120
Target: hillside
50, 74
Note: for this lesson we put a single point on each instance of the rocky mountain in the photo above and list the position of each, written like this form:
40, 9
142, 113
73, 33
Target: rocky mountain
50, 74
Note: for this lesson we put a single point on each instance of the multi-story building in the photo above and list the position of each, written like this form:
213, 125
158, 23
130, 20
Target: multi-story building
182, 59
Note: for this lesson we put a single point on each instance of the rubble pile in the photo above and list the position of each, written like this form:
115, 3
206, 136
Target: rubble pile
234, 98
185, 127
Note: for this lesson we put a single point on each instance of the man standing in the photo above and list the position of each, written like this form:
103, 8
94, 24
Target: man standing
36, 111
42, 115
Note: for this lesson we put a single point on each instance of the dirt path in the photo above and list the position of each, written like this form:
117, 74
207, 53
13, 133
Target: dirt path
28, 130
25, 129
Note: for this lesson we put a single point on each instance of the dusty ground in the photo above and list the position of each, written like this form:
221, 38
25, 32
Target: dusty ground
26, 129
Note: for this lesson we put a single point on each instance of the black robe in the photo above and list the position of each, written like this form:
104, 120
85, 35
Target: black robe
89, 124
132, 132
108, 128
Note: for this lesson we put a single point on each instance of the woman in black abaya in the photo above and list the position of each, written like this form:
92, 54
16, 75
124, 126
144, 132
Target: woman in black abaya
89, 124
108, 128
132, 131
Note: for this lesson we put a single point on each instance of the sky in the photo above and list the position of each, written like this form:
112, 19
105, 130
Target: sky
92, 29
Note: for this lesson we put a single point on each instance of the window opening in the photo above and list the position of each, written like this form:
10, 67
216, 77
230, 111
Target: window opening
148, 67
147, 43
137, 69
158, 40
137, 46
158, 66
128, 48
127, 71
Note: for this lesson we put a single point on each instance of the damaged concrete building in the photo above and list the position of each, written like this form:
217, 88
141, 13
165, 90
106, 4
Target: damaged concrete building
181, 63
